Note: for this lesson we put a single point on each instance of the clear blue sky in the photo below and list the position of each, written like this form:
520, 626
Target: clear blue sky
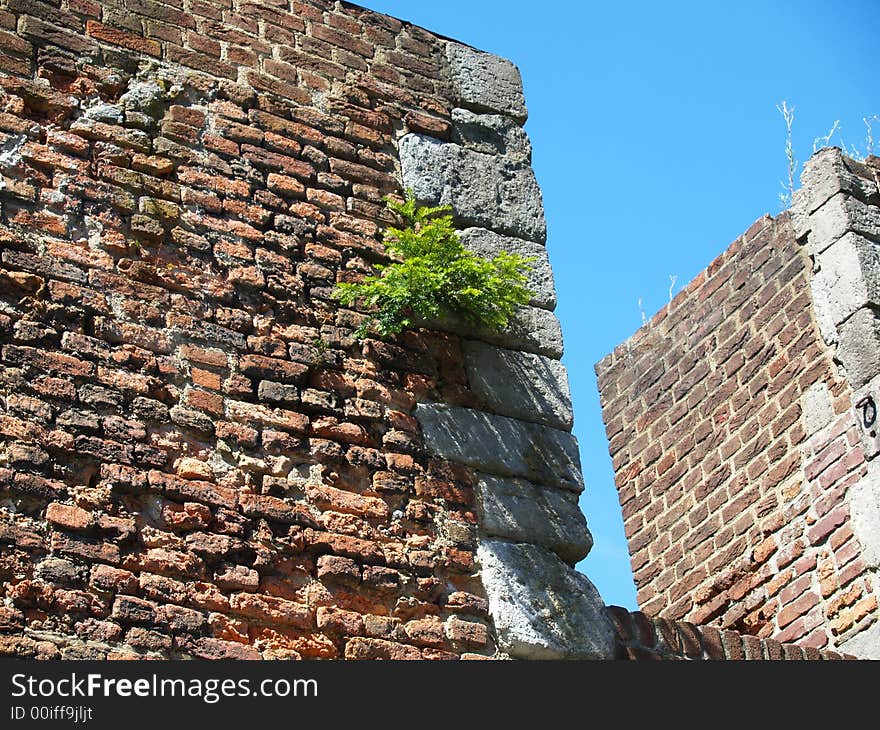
656, 143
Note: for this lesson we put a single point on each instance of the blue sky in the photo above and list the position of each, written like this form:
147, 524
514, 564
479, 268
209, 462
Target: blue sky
657, 141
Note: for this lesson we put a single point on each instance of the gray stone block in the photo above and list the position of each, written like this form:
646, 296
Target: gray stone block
487, 243
541, 608
491, 134
519, 384
848, 276
825, 174
817, 407
485, 82
859, 347
517, 510
489, 191
822, 310
531, 329
864, 505
840, 214
502, 446
865, 644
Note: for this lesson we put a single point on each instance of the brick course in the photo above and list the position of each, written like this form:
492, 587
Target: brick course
641, 638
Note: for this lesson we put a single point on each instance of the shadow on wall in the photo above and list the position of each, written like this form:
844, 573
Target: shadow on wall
501, 445
519, 384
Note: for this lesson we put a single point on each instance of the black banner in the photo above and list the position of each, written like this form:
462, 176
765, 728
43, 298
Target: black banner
227, 694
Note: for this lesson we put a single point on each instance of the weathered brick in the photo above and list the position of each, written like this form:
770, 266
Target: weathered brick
258, 366
68, 517
88, 549
274, 508
195, 490
339, 621
118, 37
272, 610
339, 568
361, 648
211, 648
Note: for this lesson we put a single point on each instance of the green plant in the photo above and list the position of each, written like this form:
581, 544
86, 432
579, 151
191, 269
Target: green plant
321, 345
434, 276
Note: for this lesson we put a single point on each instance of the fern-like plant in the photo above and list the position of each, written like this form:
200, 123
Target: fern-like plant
435, 276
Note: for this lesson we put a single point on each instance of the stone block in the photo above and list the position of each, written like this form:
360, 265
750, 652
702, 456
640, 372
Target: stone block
838, 215
491, 134
865, 644
502, 446
825, 174
848, 276
485, 82
859, 347
519, 384
489, 191
543, 609
517, 510
864, 505
487, 243
817, 407
531, 329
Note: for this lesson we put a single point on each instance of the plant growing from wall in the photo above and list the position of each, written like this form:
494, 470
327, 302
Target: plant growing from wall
787, 113
853, 151
434, 276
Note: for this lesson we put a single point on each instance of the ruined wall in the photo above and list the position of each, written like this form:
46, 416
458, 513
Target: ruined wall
196, 457
735, 437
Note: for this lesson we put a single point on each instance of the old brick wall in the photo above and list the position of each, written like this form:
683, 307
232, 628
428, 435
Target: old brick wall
736, 445
197, 459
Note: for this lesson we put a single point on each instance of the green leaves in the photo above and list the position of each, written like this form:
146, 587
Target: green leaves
436, 276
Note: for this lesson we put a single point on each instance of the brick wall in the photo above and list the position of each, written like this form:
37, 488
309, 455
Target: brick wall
736, 446
197, 458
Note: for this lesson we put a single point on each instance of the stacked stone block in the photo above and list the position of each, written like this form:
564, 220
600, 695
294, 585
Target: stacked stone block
518, 439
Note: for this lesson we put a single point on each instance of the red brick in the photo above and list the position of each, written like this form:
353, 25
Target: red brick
165, 561
211, 648
258, 366
797, 608
346, 546
117, 37
824, 527
274, 508
88, 549
197, 491
339, 621
68, 517
326, 497
360, 648
272, 610
275, 418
